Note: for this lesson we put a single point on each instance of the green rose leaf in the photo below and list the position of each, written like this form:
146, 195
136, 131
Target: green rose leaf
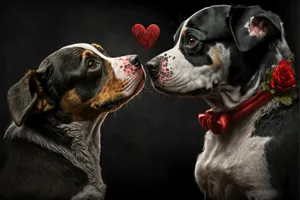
286, 100
265, 86
268, 74
272, 91
291, 59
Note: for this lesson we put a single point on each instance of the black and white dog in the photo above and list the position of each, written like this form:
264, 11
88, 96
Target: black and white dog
57, 110
221, 54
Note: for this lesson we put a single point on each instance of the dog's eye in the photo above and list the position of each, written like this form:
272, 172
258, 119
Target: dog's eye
91, 64
192, 42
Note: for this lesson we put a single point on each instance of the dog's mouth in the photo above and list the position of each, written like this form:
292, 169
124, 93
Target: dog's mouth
113, 105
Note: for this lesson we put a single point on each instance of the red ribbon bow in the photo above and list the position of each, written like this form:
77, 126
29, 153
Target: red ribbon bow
219, 122
215, 122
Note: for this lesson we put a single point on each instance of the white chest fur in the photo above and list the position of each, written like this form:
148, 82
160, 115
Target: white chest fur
234, 164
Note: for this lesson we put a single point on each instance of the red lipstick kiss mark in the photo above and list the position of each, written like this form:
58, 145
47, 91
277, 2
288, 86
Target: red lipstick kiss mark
146, 37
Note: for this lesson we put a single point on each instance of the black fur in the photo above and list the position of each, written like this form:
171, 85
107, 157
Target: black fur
32, 172
283, 151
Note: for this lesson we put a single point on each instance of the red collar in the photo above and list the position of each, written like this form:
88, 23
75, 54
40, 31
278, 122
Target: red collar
219, 122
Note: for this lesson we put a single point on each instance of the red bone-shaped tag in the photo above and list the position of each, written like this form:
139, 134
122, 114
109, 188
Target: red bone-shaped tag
146, 37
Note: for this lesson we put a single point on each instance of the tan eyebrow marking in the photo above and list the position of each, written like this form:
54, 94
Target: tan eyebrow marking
98, 46
87, 53
183, 33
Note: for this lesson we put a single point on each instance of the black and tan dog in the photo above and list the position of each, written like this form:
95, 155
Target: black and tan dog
57, 110
221, 54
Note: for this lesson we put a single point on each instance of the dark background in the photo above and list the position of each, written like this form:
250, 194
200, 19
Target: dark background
150, 146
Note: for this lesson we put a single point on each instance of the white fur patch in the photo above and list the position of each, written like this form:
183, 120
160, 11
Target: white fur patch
235, 160
88, 47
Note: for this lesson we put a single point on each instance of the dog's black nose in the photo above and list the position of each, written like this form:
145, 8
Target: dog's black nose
134, 60
153, 67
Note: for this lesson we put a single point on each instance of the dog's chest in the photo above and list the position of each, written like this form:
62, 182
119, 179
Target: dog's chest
233, 163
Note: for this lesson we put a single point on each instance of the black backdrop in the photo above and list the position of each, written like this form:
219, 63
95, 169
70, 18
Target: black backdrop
150, 146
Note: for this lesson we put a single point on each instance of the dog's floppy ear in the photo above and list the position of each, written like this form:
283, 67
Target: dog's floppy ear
21, 98
251, 25
26, 96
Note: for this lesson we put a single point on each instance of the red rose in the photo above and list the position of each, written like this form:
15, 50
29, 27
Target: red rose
283, 77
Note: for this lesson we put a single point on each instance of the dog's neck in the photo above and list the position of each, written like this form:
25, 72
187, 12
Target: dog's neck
228, 97
78, 142
85, 136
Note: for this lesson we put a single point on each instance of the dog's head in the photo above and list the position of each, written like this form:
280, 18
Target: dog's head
219, 48
80, 80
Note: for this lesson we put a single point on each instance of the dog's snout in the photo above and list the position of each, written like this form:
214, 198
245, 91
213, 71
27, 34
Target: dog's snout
153, 67
134, 60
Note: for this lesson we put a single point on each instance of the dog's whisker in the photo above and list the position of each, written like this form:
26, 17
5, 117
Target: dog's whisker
139, 96
129, 87
148, 90
129, 83
177, 101
173, 23
115, 114
127, 105
179, 17
130, 53
174, 78
180, 83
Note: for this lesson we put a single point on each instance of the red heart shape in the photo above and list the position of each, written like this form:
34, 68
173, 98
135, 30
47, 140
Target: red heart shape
146, 37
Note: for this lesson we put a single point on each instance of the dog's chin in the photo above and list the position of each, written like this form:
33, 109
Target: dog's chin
198, 93
118, 103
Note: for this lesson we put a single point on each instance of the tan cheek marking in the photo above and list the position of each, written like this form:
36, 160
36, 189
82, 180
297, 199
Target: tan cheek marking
111, 89
215, 56
71, 103
98, 46
87, 53
88, 110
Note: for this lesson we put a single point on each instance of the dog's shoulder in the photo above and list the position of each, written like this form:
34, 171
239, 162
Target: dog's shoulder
282, 151
35, 172
281, 122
